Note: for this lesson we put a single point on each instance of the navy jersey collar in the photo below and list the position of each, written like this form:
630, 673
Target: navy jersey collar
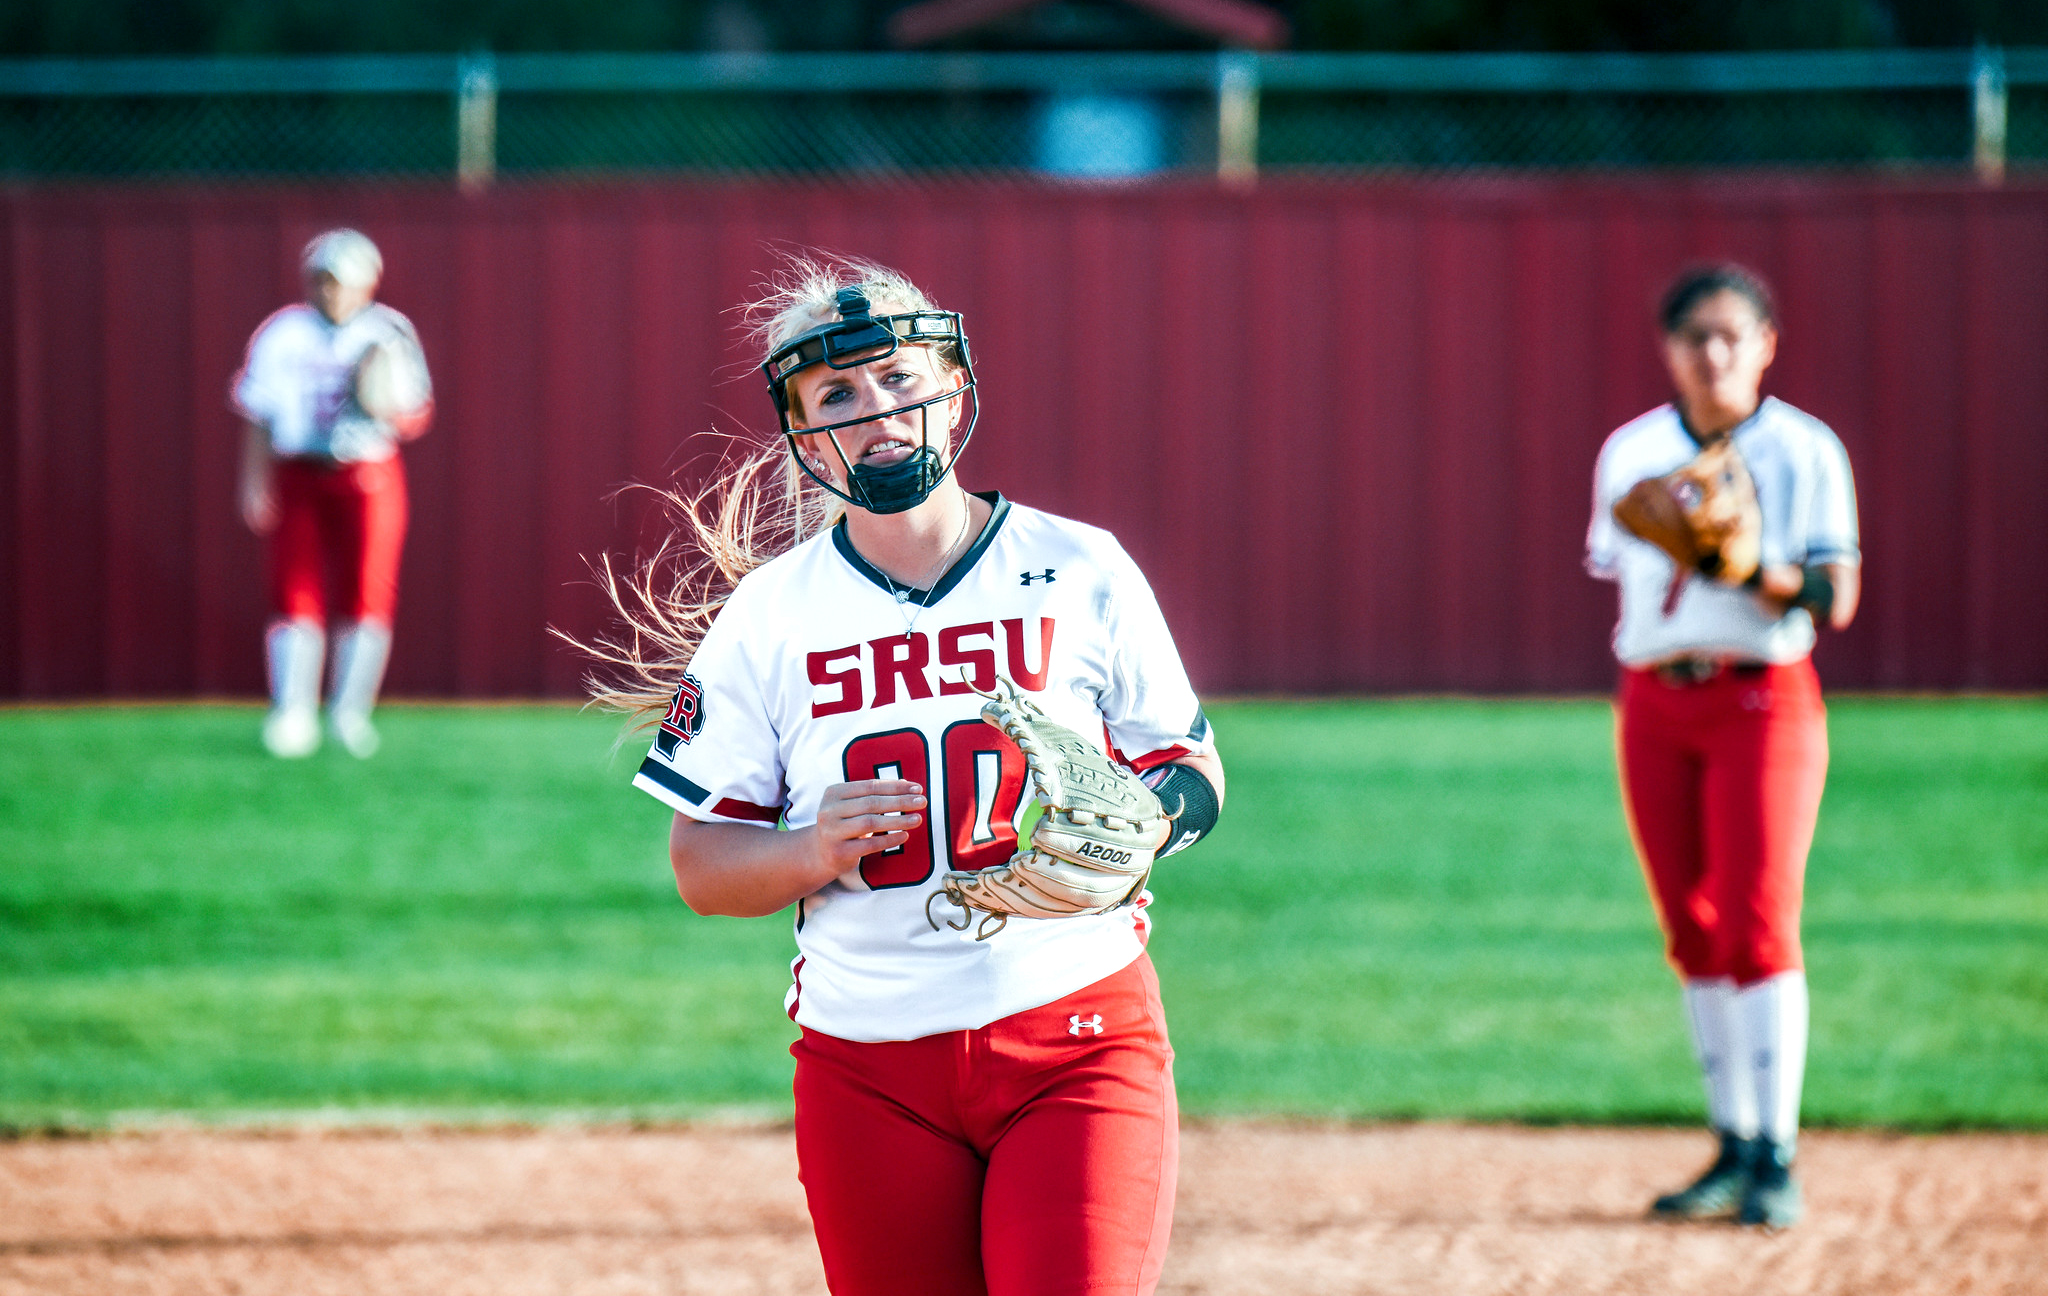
954, 574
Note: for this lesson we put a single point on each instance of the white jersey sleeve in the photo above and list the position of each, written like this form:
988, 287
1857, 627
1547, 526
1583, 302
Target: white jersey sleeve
715, 756
270, 390
1827, 528
1149, 708
1604, 536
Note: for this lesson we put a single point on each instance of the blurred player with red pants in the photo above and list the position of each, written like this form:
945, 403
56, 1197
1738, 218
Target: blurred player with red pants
329, 389
1721, 730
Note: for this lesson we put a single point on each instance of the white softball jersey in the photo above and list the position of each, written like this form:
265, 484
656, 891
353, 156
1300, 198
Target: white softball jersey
1808, 499
296, 381
815, 674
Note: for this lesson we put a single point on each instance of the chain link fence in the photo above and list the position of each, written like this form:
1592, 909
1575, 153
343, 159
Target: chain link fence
1462, 131
1069, 115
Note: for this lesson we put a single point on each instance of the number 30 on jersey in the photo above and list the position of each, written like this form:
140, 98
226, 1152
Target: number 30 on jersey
981, 784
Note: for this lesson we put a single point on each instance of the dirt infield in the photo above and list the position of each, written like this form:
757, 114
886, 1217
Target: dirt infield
1263, 1209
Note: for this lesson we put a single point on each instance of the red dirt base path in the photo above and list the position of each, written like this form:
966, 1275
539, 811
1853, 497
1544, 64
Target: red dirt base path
1264, 1208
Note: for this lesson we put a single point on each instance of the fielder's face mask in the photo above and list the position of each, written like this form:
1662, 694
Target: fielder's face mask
857, 338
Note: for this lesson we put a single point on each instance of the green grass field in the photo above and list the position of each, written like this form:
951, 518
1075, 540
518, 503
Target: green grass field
1413, 908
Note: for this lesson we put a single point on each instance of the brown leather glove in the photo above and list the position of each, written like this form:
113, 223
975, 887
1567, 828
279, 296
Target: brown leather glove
1704, 515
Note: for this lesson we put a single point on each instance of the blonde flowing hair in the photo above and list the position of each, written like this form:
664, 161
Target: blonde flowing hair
755, 511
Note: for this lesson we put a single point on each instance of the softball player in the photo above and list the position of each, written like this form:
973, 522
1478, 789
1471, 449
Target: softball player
328, 390
1721, 730
972, 1114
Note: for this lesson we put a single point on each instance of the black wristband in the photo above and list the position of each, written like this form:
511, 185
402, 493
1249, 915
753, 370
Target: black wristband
1187, 795
1816, 592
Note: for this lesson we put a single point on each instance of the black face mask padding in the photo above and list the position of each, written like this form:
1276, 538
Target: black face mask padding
856, 331
902, 485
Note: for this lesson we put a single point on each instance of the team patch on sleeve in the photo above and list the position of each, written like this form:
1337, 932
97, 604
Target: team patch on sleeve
685, 718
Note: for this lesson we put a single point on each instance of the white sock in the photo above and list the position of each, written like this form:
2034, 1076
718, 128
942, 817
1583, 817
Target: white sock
1717, 1041
360, 650
1774, 1014
295, 650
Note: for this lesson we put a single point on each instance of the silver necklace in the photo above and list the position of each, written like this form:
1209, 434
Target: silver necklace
903, 592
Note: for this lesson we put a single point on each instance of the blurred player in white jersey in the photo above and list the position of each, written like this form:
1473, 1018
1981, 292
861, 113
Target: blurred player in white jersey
972, 1114
1722, 733
329, 389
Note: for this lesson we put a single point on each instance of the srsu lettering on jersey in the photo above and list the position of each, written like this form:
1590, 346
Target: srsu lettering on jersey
904, 668
684, 719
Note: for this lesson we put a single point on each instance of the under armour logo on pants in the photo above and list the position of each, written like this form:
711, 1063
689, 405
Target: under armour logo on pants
1075, 1025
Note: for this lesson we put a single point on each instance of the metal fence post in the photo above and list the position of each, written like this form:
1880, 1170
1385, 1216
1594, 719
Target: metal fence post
476, 121
1987, 96
1237, 116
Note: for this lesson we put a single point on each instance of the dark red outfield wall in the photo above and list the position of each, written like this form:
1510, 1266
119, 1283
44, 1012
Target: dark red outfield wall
1347, 428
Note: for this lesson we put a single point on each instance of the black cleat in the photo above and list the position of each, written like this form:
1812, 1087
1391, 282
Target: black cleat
1773, 1199
1719, 1193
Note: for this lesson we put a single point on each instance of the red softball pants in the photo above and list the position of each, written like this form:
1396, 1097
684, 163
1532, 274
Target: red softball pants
1722, 781
1035, 1155
343, 522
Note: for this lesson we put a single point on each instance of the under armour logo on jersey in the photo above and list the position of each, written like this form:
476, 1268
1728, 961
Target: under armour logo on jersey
1025, 578
1075, 1025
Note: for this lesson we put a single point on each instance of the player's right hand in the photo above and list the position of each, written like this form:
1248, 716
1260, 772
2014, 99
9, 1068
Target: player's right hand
859, 818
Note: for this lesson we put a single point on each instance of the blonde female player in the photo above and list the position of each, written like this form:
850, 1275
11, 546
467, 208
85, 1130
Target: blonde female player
972, 1115
1723, 738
